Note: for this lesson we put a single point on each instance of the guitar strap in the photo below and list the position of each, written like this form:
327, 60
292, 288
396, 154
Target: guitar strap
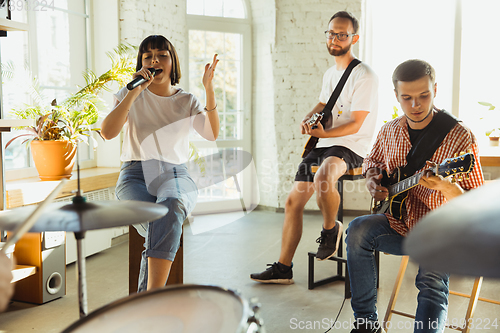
327, 110
429, 141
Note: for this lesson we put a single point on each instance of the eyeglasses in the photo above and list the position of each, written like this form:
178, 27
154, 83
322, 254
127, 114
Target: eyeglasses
340, 37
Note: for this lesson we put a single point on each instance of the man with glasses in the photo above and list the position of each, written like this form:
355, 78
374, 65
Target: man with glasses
343, 143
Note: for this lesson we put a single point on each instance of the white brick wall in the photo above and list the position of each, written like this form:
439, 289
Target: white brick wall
141, 18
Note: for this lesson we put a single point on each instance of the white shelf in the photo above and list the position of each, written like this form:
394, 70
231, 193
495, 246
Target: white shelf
16, 122
9, 25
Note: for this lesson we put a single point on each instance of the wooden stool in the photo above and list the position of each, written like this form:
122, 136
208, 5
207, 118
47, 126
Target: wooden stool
473, 298
352, 174
135, 248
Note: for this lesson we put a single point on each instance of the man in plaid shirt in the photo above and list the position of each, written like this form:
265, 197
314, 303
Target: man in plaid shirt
415, 88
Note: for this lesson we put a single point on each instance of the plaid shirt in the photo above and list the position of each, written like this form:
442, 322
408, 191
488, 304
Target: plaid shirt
390, 150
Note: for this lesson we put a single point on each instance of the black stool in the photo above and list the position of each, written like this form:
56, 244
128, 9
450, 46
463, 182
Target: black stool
352, 174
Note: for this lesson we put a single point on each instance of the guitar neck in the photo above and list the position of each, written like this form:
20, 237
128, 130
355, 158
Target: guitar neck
405, 184
462, 164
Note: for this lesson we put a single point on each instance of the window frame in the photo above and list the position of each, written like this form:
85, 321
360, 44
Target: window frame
30, 171
243, 27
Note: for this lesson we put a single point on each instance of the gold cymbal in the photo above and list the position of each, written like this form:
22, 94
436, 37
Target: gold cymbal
462, 236
83, 216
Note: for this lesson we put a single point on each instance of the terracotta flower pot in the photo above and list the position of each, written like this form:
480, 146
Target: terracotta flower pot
54, 160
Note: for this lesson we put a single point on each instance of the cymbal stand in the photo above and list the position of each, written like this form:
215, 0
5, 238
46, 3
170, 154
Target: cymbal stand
82, 278
80, 259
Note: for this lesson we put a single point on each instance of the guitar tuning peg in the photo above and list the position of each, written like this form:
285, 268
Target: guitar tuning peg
453, 180
462, 152
467, 177
455, 155
469, 151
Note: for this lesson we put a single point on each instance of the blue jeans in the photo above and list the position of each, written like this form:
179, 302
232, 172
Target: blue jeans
368, 233
173, 188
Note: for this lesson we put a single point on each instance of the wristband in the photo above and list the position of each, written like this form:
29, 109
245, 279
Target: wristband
205, 108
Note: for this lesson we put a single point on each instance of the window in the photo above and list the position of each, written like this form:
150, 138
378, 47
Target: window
454, 36
222, 8
55, 51
478, 74
224, 30
406, 34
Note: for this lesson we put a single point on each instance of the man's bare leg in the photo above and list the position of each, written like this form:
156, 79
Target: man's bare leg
292, 232
328, 199
327, 195
292, 226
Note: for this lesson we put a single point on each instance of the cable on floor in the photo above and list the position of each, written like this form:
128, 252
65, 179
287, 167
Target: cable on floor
341, 307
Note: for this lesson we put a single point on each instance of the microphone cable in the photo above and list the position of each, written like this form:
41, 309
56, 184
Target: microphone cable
338, 314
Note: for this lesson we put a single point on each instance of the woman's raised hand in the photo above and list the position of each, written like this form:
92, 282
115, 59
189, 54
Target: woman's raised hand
209, 73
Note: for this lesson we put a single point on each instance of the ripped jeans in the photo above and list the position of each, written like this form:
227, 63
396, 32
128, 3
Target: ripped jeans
166, 184
368, 233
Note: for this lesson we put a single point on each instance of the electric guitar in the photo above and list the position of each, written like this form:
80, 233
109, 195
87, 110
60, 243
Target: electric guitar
398, 186
313, 141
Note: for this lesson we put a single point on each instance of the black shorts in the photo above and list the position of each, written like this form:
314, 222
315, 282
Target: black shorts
318, 155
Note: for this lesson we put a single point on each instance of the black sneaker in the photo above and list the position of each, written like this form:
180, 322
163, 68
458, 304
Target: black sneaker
367, 327
273, 275
329, 242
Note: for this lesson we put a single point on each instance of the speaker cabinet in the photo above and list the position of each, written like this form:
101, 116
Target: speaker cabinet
46, 251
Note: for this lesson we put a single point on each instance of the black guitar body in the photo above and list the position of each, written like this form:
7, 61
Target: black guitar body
392, 205
398, 183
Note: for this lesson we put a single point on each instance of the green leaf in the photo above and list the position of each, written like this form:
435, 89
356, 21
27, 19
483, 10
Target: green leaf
491, 106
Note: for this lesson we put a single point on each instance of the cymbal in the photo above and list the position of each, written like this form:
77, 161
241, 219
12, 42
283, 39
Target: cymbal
83, 216
462, 236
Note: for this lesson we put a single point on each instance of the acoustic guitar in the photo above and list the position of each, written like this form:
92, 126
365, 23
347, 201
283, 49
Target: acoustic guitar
398, 186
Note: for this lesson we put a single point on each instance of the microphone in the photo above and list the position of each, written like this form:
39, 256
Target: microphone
140, 80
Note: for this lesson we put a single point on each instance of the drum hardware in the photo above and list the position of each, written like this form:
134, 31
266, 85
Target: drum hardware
255, 322
78, 217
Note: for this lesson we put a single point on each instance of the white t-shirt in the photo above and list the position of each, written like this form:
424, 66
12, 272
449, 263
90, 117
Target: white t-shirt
158, 127
360, 93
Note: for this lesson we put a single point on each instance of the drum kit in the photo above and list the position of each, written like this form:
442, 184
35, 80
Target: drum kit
186, 308
175, 309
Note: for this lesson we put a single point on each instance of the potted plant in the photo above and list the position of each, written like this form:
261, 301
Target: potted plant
494, 133
59, 126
